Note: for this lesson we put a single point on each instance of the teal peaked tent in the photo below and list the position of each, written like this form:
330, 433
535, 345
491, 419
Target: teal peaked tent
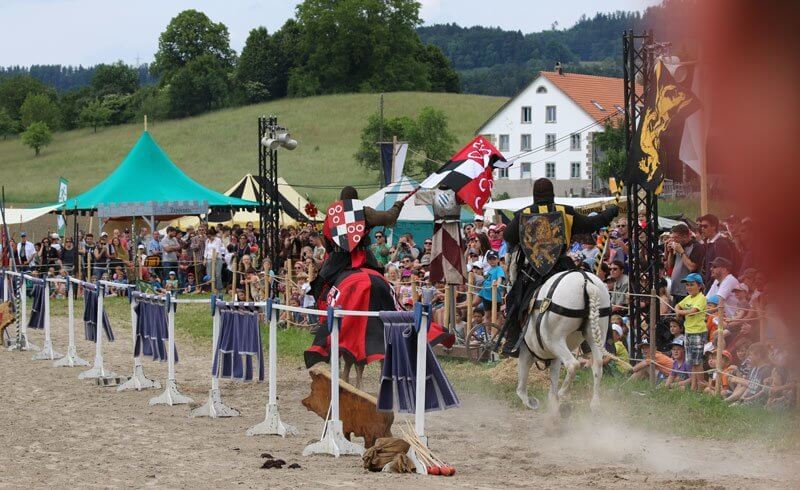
147, 183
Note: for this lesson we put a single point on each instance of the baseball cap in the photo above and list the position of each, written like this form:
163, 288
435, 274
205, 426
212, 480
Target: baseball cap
679, 341
55, 236
141, 246
693, 277
103, 234
721, 262
617, 329
492, 255
713, 299
171, 273
23, 234
643, 342
742, 287
478, 264
492, 227
709, 347
478, 217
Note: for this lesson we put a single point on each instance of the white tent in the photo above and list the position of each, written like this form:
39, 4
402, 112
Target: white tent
517, 203
15, 216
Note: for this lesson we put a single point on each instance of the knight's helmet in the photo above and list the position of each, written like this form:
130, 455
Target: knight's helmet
543, 190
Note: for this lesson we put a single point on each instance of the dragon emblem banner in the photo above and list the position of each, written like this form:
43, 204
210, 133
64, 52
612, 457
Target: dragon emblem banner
543, 239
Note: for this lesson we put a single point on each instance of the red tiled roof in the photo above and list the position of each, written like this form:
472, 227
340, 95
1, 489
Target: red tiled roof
585, 90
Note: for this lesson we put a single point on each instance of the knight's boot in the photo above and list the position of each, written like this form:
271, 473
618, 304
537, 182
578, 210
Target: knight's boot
511, 347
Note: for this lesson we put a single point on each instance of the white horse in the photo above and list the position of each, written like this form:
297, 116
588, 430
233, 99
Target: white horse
561, 333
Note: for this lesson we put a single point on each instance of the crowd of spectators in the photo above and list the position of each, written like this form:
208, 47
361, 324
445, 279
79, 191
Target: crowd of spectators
704, 263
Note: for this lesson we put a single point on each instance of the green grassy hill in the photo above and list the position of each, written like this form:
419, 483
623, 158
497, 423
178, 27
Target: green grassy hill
216, 149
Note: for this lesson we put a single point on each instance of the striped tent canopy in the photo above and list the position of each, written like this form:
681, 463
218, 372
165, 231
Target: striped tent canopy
291, 202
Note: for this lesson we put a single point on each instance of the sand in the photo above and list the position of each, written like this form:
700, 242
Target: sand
59, 430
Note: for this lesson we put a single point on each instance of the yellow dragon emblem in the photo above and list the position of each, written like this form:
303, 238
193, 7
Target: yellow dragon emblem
541, 239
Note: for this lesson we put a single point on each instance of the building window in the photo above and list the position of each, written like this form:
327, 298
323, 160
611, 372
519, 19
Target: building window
575, 170
550, 142
527, 114
550, 114
619, 109
550, 170
541, 90
504, 146
575, 142
526, 170
598, 105
525, 142
502, 173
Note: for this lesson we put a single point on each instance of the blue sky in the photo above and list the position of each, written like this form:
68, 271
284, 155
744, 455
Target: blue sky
95, 31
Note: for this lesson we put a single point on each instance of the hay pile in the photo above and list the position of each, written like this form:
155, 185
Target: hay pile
506, 372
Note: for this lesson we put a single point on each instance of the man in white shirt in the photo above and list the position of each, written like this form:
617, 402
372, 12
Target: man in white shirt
214, 256
25, 251
724, 284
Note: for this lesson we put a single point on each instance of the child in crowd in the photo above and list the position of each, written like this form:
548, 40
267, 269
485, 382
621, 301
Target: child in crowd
172, 282
781, 390
728, 369
496, 275
620, 366
692, 309
478, 332
679, 374
753, 390
641, 369
190, 287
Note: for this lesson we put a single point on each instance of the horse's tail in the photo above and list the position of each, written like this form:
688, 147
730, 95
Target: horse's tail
594, 322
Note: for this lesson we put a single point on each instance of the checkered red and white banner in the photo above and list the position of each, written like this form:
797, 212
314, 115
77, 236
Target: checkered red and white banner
470, 173
345, 224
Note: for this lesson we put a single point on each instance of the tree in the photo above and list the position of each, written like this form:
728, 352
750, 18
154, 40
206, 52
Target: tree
7, 125
95, 114
432, 137
14, 91
118, 78
427, 135
368, 153
359, 45
152, 102
189, 36
441, 75
256, 68
71, 104
37, 136
199, 86
39, 108
611, 143
120, 107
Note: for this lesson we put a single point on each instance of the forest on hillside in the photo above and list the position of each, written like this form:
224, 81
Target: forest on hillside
493, 61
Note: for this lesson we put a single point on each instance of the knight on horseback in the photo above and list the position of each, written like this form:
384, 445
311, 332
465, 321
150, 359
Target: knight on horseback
543, 229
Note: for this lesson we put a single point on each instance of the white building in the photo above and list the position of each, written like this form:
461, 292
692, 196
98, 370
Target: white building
547, 128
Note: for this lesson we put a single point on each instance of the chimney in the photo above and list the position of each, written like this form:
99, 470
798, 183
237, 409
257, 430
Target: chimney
559, 69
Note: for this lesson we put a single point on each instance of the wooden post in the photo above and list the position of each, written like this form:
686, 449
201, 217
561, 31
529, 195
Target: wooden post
287, 290
89, 267
214, 271
196, 269
447, 305
470, 283
235, 270
651, 336
720, 343
266, 285
246, 290
494, 301
414, 292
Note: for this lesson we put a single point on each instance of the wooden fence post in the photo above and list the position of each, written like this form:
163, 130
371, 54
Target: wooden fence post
214, 271
720, 344
287, 289
234, 280
494, 302
654, 300
470, 283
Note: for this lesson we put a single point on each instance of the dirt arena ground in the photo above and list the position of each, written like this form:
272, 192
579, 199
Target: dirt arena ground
59, 431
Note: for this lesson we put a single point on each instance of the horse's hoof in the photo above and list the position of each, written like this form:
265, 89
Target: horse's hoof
529, 402
565, 410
